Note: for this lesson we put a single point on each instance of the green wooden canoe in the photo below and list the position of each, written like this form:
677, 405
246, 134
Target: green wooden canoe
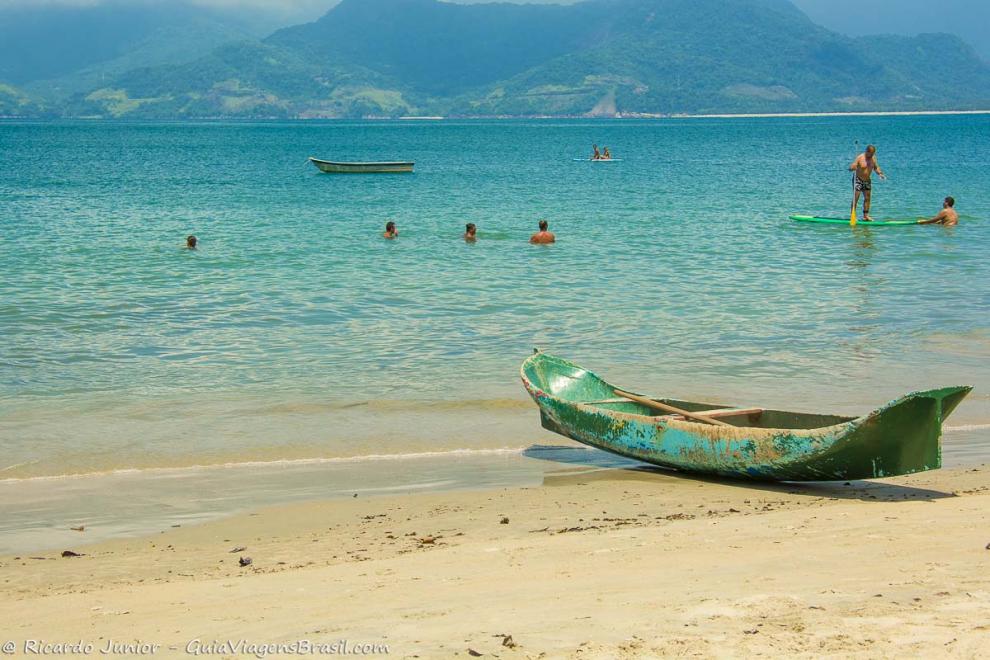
901, 437
845, 221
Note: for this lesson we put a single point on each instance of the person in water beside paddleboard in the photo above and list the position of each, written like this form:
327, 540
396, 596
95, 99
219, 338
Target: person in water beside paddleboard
544, 235
390, 230
470, 232
862, 168
947, 216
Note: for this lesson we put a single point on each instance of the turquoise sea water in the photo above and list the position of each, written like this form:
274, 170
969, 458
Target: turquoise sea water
296, 331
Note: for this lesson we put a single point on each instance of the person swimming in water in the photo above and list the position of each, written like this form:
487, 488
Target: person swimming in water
470, 232
864, 165
543, 236
191, 242
390, 230
947, 216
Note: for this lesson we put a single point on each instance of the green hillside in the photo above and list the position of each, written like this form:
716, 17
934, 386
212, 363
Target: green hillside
16, 103
601, 57
252, 79
749, 57
167, 45
77, 45
442, 48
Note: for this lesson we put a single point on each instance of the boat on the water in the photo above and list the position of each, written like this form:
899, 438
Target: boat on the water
901, 437
335, 167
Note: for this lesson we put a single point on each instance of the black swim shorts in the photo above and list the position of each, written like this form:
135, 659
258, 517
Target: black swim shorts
862, 186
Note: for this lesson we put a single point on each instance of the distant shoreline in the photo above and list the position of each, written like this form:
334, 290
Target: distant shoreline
878, 113
721, 115
436, 118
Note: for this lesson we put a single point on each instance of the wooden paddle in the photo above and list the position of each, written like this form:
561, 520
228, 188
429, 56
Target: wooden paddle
719, 413
669, 408
852, 214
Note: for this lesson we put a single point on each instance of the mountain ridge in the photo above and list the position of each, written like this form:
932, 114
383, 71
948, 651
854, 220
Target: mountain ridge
594, 58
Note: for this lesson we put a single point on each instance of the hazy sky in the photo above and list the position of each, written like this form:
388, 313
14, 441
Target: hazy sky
266, 4
279, 11
969, 19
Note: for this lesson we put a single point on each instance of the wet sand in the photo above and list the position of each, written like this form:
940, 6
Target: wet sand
612, 563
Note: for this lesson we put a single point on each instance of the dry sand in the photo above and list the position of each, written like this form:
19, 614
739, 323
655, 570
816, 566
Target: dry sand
615, 563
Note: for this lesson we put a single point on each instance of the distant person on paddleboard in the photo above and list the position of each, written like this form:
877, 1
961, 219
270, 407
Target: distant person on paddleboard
862, 168
543, 236
470, 232
597, 155
390, 230
947, 216
607, 155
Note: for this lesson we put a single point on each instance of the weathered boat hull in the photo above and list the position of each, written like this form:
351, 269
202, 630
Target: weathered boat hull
900, 438
391, 167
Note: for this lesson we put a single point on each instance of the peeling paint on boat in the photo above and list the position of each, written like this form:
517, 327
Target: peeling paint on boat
901, 437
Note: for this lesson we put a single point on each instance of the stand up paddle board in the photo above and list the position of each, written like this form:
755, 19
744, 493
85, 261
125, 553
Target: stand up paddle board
845, 221
597, 160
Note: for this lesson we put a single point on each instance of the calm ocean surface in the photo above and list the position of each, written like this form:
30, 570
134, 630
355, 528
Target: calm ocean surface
296, 331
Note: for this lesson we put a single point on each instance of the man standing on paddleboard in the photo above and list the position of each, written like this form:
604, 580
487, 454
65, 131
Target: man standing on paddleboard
862, 169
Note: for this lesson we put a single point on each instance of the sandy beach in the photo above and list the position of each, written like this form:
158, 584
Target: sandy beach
323, 334
608, 563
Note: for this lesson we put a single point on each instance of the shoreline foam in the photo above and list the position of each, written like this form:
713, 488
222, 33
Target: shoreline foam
275, 463
38, 512
41, 513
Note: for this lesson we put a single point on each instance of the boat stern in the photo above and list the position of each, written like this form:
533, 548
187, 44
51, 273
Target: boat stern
903, 437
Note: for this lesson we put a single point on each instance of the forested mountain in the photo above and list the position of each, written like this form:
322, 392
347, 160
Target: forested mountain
86, 45
15, 102
601, 57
